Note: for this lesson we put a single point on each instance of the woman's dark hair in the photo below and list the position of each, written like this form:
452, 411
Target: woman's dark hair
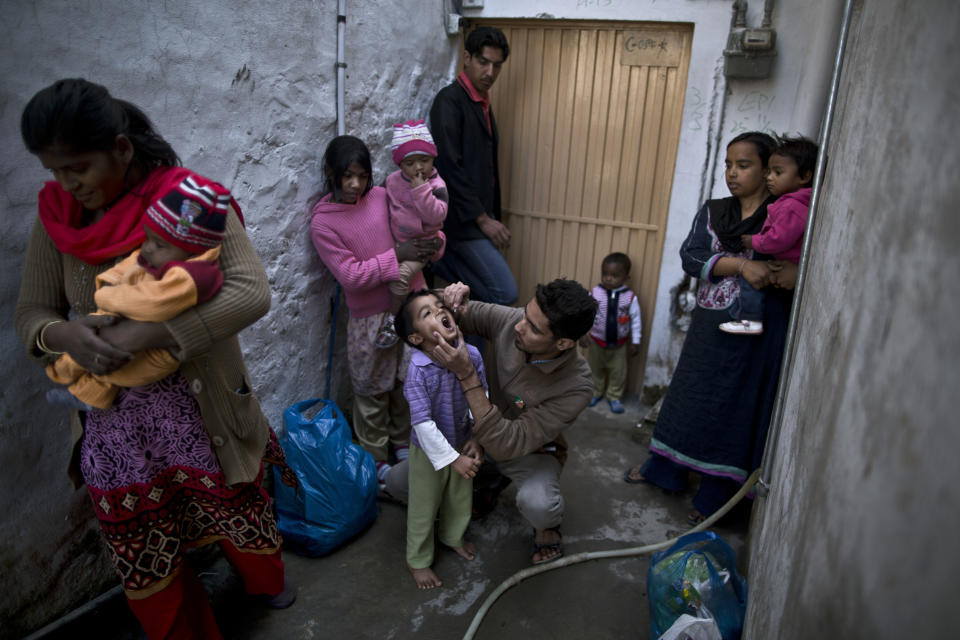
340, 154
570, 309
801, 150
81, 116
764, 143
486, 37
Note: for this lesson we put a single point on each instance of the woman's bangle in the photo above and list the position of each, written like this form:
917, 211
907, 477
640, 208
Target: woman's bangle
743, 263
476, 386
467, 377
43, 345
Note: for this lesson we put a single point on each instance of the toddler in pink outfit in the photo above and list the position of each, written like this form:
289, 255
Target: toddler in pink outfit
789, 178
417, 205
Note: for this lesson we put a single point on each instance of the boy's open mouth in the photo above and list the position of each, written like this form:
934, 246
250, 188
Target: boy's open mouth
446, 320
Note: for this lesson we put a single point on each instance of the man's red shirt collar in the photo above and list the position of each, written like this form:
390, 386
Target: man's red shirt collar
476, 96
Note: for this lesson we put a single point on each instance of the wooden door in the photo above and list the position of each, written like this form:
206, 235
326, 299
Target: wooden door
589, 120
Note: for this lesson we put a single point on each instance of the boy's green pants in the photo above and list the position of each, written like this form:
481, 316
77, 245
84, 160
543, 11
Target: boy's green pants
443, 494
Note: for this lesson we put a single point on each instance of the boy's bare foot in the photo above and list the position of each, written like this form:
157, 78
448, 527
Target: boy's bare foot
467, 551
425, 578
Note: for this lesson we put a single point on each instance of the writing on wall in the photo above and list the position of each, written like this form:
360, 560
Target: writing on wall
695, 109
590, 4
652, 48
752, 113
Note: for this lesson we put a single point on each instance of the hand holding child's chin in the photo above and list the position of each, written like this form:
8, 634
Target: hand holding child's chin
454, 358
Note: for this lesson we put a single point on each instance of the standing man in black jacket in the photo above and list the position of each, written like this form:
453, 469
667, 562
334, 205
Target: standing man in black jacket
465, 133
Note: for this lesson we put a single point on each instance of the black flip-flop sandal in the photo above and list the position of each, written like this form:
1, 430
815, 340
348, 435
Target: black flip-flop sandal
629, 480
537, 546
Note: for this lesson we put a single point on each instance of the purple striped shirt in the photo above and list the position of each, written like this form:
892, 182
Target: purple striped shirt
434, 393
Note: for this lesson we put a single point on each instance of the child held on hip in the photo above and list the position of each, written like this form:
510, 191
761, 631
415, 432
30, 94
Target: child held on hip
174, 269
350, 229
417, 203
443, 458
617, 322
789, 178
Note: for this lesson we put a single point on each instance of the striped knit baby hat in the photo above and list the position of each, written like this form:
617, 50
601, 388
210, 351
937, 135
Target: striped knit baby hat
411, 137
191, 216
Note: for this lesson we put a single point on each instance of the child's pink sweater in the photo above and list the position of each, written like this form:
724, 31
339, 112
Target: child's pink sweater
355, 243
782, 233
416, 212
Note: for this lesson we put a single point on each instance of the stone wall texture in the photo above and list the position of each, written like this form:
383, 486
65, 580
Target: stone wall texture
245, 91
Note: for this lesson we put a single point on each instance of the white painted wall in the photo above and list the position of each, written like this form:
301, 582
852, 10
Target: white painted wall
245, 92
856, 539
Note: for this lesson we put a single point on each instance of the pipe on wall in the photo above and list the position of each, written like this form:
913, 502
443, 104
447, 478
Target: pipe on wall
776, 421
341, 64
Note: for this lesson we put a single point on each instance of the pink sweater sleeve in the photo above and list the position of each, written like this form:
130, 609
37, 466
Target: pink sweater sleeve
434, 209
352, 273
430, 199
781, 231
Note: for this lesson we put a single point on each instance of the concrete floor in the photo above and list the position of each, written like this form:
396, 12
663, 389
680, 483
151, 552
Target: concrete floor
364, 589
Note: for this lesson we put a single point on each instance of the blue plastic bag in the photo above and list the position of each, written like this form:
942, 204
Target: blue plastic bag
337, 495
698, 576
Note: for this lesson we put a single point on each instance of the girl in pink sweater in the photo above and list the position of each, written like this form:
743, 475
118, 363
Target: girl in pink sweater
350, 229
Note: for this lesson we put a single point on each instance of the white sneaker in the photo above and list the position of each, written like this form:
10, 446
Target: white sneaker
743, 327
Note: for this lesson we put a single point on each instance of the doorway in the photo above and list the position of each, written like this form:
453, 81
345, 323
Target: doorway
589, 117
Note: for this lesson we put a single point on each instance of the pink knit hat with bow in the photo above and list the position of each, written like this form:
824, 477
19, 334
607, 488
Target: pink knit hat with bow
411, 137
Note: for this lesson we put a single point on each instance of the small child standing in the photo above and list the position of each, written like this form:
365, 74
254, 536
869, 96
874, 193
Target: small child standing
617, 320
789, 179
440, 475
173, 270
417, 202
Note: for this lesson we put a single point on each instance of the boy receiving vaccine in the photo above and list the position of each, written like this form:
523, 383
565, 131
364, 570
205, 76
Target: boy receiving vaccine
617, 322
443, 460
417, 203
789, 180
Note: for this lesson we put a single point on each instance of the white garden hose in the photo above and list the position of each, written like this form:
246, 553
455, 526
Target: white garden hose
523, 574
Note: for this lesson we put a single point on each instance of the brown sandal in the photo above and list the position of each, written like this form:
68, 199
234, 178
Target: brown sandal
630, 479
543, 546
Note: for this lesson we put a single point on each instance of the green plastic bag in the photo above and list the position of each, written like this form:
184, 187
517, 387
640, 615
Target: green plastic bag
697, 576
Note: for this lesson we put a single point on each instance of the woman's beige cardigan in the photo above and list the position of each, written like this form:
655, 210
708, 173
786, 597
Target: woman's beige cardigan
54, 284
